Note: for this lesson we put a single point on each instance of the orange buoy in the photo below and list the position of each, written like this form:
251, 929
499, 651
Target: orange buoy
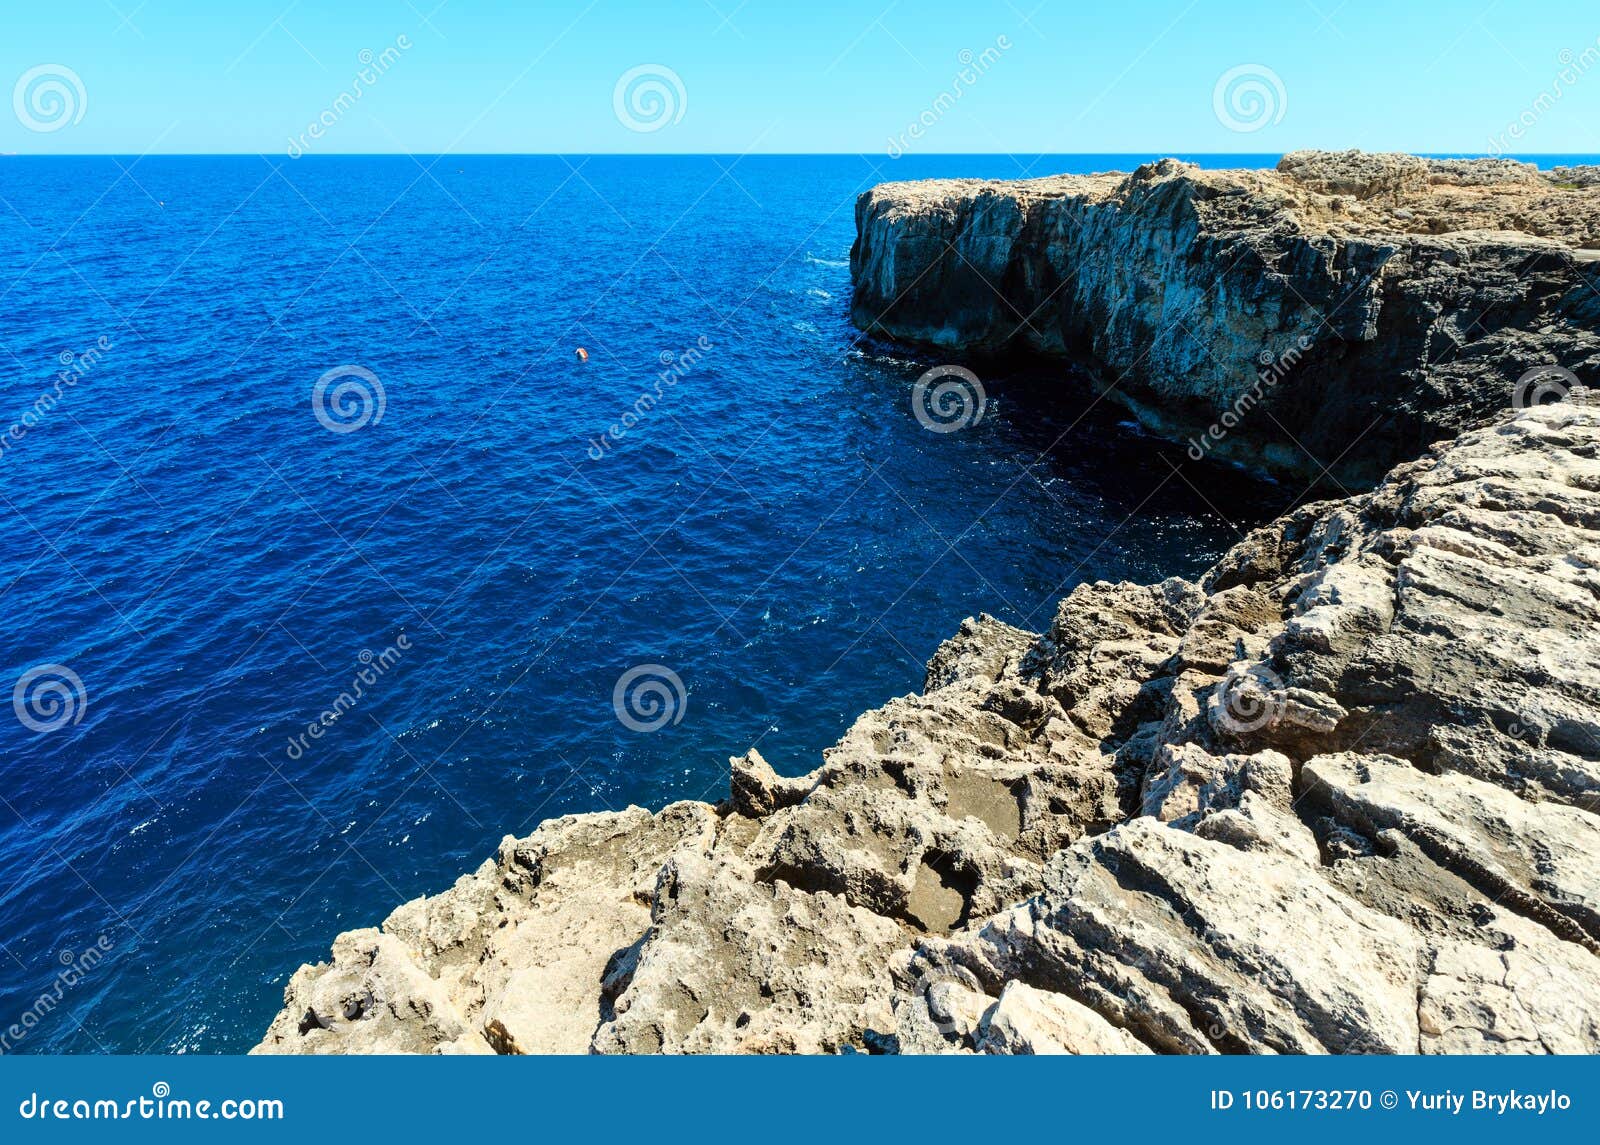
583, 355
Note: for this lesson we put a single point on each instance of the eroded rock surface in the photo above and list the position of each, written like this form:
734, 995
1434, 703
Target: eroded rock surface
1339, 796
1339, 313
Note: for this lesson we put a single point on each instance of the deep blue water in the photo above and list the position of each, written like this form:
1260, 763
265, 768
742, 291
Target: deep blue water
216, 566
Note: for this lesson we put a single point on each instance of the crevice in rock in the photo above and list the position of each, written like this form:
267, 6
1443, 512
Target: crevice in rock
1496, 888
1500, 890
617, 976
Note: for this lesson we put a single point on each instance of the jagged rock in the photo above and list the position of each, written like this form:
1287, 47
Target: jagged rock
757, 790
1195, 945
513, 954
375, 997
981, 651
1358, 855
733, 964
1512, 847
1029, 1021
1344, 310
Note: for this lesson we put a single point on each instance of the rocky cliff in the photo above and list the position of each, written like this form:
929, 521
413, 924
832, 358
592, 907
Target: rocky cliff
1341, 795
1336, 315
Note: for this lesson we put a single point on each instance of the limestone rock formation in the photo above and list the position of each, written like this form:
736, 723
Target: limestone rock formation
1336, 315
1342, 795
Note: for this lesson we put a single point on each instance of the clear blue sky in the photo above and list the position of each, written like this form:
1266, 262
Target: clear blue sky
801, 75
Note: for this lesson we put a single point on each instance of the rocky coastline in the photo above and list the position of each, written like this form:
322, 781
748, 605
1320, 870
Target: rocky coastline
1343, 311
1342, 794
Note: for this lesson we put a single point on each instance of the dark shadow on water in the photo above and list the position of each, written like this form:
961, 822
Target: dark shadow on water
1096, 444
1065, 429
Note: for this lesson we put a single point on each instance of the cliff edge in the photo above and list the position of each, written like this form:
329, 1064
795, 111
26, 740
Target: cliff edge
1341, 795
1335, 316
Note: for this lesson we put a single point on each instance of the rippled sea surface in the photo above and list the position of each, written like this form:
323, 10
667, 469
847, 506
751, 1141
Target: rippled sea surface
218, 567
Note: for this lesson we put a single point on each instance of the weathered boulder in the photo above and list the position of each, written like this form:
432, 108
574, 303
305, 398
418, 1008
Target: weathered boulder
1029, 1021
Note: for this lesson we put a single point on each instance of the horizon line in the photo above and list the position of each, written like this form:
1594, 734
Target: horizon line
752, 154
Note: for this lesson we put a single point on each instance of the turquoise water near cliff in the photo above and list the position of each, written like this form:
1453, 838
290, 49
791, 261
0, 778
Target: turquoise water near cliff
475, 567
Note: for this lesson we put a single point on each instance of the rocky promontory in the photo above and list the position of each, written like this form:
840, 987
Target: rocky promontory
1342, 794
1336, 315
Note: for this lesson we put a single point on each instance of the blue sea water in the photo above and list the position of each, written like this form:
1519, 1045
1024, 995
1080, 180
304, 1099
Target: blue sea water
217, 566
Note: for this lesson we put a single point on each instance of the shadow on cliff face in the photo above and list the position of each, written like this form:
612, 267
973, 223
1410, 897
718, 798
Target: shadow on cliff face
1065, 431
